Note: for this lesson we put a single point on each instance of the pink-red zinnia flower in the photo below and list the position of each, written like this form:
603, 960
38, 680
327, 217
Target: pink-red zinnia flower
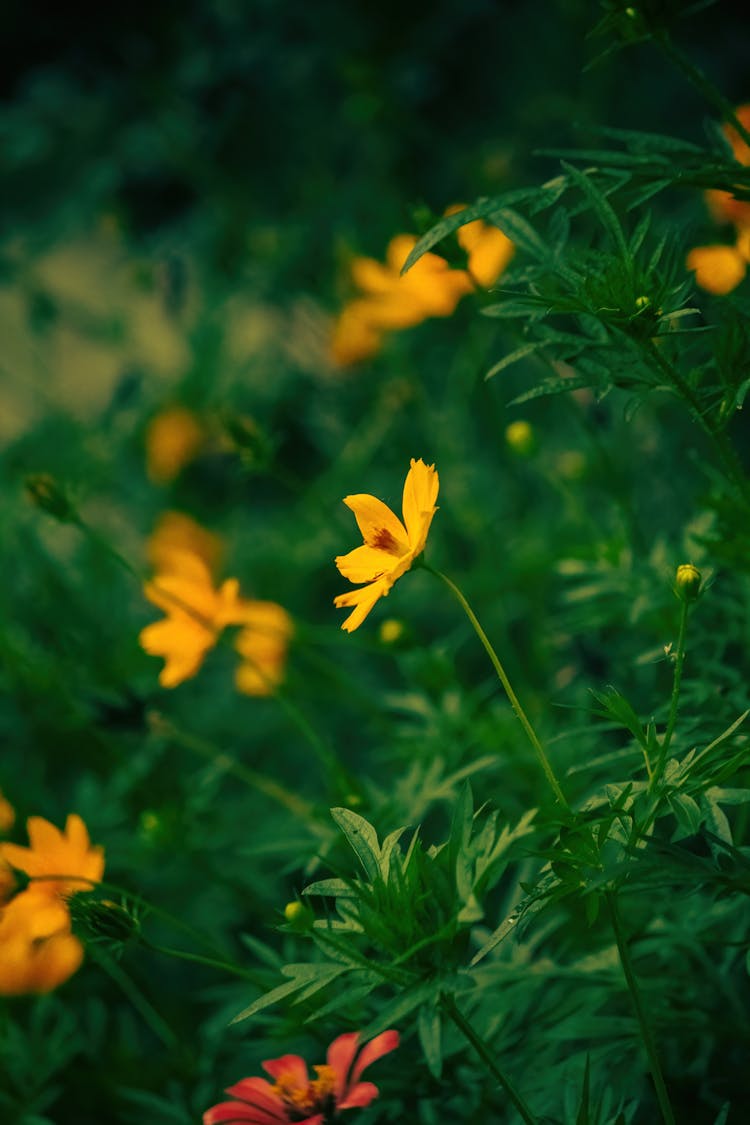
295, 1097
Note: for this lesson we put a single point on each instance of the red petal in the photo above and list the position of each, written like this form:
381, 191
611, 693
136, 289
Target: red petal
229, 1112
291, 1066
375, 1049
340, 1056
362, 1094
260, 1095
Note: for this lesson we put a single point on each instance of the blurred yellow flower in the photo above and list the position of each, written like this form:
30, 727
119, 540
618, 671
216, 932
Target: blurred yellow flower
718, 269
489, 250
390, 546
185, 555
7, 813
52, 852
721, 268
37, 950
173, 438
177, 533
262, 643
391, 301
196, 613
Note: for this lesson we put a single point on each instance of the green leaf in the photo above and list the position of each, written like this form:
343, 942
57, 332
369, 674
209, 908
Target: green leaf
583, 1117
554, 387
602, 207
362, 837
430, 1037
307, 980
335, 888
513, 357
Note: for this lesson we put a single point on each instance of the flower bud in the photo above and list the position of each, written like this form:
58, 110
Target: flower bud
391, 630
44, 491
688, 581
521, 438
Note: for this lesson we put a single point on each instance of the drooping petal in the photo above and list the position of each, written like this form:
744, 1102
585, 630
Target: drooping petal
360, 1095
340, 1057
381, 1045
380, 527
365, 564
260, 1095
420, 493
182, 646
364, 599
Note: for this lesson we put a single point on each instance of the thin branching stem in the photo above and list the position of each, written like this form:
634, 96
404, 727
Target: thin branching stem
464, 1026
676, 682
698, 79
647, 1034
544, 762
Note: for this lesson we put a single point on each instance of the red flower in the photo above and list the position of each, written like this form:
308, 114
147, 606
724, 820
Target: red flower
294, 1097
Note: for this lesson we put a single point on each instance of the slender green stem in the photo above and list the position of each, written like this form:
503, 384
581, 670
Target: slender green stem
676, 682
199, 959
646, 1033
144, 1007
274, 790
503, 678
726, 451
451, 1008
698, 79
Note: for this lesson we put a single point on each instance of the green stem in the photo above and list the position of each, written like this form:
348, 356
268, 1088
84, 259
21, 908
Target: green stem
698, 79
199, 959
144, 1007
501, 675
252, 778
677, 680
646, 1033
450, 1007
726, 451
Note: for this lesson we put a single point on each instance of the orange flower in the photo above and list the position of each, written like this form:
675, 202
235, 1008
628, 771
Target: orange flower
196, 613
295, 1097
489, 250
390, 546
262, 643
173, 439
7, 814
37, 950
177, 533
52, 852
721, 268
391, 301
718, 269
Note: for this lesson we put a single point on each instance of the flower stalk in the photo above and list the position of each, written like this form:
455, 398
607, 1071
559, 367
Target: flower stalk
544, 761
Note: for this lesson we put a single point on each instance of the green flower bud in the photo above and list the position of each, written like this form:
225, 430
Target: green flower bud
688, 581
521, 438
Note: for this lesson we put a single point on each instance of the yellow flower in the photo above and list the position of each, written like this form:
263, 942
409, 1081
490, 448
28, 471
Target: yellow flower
262, 643
489, 250
390, 546
718, 269
52, 852
173, 439
391, 301
175, 534
37, 950
196, 613
7, 814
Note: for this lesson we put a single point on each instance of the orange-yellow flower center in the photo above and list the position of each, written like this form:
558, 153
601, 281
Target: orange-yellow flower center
308, 1096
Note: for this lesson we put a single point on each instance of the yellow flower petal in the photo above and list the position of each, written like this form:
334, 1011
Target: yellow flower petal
363, 599
364, 564
381, 528
420, 493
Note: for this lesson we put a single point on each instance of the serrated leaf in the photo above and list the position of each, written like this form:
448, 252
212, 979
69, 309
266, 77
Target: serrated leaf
362, 837
553, 387
513, 357
307, 980
602, 207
